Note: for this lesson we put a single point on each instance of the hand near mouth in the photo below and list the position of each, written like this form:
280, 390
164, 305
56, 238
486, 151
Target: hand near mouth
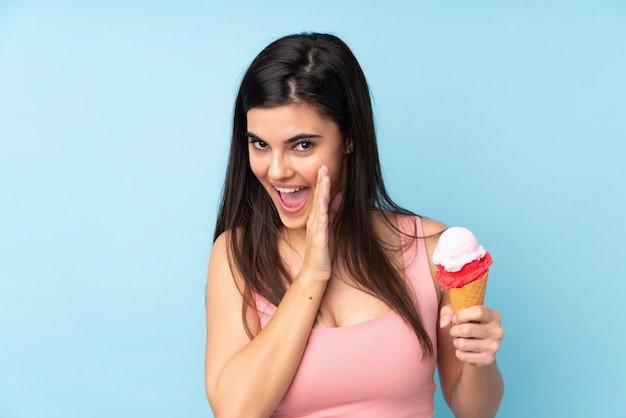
319, 237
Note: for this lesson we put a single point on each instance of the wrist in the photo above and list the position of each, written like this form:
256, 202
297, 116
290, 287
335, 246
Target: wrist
313, 276
312, 282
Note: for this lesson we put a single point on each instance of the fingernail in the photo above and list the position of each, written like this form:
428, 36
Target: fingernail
444, 320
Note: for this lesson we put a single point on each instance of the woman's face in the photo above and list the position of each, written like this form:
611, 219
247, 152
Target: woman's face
287, 145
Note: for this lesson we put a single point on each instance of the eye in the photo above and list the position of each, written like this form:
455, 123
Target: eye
258, 144
304, 146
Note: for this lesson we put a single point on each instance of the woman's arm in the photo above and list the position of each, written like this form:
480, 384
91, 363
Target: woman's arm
467, 347
472, 336
248, 378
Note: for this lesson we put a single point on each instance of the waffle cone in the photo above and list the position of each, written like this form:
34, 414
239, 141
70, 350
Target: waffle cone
469, 295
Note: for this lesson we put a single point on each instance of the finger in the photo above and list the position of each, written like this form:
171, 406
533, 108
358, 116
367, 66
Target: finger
477, 338
468, 330
476, 359
318, 208
317, 256
322, 188
317, 224
476, 330
477, 345
477, 313
476, 351
324, 198
445, 316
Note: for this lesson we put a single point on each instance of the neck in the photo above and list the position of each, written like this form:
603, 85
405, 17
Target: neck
295, 238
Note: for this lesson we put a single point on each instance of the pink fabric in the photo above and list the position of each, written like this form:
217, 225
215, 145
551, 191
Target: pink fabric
371, 369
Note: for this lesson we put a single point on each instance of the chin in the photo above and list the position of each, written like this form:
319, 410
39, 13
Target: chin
293, 222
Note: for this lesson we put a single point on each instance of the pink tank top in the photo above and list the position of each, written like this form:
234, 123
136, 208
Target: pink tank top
374, 368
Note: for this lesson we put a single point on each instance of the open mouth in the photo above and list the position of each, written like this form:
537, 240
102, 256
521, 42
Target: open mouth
292, 199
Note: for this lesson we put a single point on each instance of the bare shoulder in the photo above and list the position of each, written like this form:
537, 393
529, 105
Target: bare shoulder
221, 266
432, 229
220, 275
219, 260
222, 242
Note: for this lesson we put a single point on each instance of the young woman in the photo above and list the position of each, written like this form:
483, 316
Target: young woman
320, 294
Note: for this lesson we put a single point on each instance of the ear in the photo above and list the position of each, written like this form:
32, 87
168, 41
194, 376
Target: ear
348, 146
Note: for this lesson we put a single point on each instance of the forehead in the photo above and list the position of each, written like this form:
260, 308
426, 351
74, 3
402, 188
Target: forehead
287, 120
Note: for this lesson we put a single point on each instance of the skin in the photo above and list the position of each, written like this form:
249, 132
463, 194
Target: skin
292, 146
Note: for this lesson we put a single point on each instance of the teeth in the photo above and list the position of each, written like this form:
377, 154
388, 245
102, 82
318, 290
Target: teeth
284, 190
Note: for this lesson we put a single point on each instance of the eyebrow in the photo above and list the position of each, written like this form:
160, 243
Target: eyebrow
287, 141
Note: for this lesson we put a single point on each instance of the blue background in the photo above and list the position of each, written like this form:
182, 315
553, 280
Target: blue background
506, 117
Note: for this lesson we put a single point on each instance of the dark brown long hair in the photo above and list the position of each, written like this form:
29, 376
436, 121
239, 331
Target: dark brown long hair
320, 70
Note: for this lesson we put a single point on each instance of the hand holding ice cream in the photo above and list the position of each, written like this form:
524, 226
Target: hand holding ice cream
463, 267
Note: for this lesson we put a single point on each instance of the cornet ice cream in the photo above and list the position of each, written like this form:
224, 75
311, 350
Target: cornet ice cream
463, 267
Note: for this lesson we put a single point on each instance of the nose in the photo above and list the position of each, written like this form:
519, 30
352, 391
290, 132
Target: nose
280, 168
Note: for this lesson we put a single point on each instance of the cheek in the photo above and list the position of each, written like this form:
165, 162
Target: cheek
256, 166
306, 168
334, 161
309, 174
338, 166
